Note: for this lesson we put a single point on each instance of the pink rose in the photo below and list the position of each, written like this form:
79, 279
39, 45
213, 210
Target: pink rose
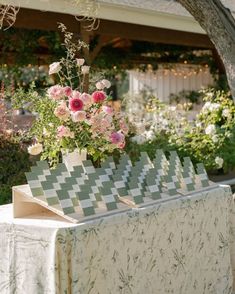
117, 137
62, 111
56, 92
124, 127
76, 94
98, 96
75, 104
86, 99
63, 131
67, 91
121, 145
79, 116
107, 109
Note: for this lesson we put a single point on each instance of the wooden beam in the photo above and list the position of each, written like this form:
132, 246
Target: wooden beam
152, 34
34, 19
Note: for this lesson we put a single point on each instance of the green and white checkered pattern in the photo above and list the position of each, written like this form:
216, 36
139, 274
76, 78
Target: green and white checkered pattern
202, 175
121, 175
88, 191
189, 175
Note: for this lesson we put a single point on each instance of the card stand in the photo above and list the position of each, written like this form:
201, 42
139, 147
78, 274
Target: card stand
121, 176
124, 168
171, 180
177, 166
161, 161
153, 184
189, 182
109, 166
95, 178
36, 176
202, 176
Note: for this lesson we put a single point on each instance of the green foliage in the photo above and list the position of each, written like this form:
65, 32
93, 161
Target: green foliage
187, 96
14, 162
210, 138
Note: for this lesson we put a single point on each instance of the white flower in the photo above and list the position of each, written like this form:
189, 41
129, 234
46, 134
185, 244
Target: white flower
106, 83
55, 67
149, 135
215, 138
35, 149
210, 130
226, 112
80, 61
139, 139
85, 69
172, 108
78, 116
100, 85
198, 124
219, 161
210, 106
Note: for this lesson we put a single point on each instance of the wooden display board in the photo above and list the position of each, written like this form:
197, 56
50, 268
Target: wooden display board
84, 192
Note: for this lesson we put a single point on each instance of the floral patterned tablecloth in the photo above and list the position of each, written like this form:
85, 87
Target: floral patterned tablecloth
182, 246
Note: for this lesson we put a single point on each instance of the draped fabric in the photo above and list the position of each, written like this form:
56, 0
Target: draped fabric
181, 246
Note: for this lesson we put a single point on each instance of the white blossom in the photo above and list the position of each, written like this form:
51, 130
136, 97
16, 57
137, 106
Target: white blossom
208, 106
100, 85
35, 149
106, 83
55, 67
226, 112
85, 69
80, 61
139, 139
215, 138
210, 130
219, 162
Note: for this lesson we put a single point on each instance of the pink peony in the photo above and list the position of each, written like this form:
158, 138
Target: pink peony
75, 104
86, 99
62, 111
63, 131
67, 91
117, 137
98, 96
76, 94
79, 116
107, 109
56, 92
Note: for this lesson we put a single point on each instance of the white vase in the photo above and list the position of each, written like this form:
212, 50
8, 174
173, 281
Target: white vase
71, 159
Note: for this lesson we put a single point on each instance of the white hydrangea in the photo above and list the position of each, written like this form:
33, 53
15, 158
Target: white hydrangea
226, 112
139, 139
219, 162
215, 138
208, 106
210, 130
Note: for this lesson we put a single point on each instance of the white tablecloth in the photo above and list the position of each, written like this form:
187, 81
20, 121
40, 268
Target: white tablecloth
180, 247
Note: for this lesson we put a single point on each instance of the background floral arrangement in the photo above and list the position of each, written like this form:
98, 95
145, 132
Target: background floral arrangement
208, 138
73, 114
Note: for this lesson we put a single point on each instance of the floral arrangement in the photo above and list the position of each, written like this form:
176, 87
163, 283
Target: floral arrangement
208, 138
74, 114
